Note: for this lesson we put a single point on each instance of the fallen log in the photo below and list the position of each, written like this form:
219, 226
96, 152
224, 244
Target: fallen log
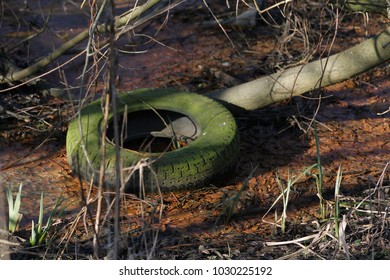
281, 85
365, 6
301, 79
123, 20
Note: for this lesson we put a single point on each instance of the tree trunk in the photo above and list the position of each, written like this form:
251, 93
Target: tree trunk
366, 6
123, 20
301, 79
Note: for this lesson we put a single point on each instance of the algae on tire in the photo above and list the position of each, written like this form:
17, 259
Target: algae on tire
212, 151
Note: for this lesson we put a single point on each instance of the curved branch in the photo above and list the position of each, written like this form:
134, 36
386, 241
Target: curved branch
301, 79
121, 21
366, 6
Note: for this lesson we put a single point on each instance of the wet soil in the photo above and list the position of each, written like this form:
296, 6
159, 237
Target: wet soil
277, 142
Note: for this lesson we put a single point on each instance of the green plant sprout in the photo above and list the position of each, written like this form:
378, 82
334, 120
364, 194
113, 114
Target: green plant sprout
337, 202
39, 232
285, 196
319, 178
285, 193
14, 217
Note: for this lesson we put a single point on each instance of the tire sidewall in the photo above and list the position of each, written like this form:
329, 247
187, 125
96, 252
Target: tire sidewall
215, 149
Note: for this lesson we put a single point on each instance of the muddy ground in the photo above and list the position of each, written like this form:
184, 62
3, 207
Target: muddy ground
277, 142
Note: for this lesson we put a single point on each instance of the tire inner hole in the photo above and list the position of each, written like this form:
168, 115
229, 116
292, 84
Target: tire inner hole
154, 131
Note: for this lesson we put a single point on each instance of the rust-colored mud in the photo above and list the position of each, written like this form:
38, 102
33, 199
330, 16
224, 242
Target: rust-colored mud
278, 142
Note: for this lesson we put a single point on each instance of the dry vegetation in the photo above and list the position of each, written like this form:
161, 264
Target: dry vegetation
286, 198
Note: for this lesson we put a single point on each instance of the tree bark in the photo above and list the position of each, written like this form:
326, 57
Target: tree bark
301, 79
121, 21
366, 6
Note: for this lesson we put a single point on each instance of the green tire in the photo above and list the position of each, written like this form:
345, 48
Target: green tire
207, 157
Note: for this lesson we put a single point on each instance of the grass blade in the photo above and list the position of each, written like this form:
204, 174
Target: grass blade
14, 217
40, 219
337, 202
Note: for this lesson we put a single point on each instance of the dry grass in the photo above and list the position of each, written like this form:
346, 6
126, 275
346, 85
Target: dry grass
100, 230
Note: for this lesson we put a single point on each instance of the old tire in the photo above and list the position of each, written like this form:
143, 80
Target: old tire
212, 150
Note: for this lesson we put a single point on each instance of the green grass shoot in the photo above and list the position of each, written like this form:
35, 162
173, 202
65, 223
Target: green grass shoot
337, 202
39, 232
285, 194
319, 179
14, 217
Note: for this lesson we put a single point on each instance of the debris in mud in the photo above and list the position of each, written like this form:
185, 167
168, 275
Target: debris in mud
277, 144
